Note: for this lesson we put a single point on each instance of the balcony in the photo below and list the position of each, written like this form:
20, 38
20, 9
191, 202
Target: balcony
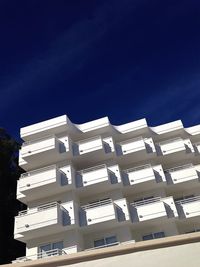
189, 207
181, 174
131, 129
146, 176
153, 209
104, 213
98, 179
175, 147
42, 220
40, 255
96, 126
142, 148
45, 128
139, 174
93, 150
43, 182
168, 129
44, 151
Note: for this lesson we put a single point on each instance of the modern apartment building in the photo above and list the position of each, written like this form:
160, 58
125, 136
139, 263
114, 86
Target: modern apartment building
97, 185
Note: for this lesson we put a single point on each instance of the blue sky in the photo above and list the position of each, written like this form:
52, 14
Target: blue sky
125, 59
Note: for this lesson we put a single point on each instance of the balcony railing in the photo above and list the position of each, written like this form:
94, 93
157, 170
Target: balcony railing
27, 174
97, 204
39, 208
104, 246
95, 168
40, 255
169, 141
90, 144
127, 142
39, 140
145, 201
179, 168
188, 200
138, 168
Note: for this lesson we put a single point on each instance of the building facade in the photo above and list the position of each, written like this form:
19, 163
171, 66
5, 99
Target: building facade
97, 185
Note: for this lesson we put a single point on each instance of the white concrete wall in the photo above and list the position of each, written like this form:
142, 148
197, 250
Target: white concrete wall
132, 146
44, 126
100, 214
90, 145
34, 220
151, 211
140, 176
191, 209
39, 147
37, 179
172, 146
94, 176
177, 256
183, 175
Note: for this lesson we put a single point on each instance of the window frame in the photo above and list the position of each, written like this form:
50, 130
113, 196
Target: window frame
51, 247
104, 239
153, 234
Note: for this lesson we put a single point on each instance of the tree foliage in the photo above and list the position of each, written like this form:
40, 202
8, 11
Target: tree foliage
9, 206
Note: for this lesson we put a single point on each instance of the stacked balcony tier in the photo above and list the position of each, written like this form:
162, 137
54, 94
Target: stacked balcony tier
103, 214
44, 219
153, 210
44, 182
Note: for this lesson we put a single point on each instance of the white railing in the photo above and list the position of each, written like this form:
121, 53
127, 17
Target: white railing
97, 204
179, 168
138, 168
39, 208
40, 255
188, 200
27, 174
39, 140
95, 168
104, 246
145, 201
169, 141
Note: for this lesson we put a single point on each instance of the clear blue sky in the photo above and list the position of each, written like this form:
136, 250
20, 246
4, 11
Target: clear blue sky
125, 59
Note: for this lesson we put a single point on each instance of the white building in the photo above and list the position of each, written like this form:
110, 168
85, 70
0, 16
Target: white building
95, 185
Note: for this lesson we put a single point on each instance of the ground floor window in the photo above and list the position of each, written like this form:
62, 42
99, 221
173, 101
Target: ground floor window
51, 249
153, 236
105, 241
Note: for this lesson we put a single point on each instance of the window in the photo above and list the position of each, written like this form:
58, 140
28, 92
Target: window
194, 230
50, 249
106, 241
153, 236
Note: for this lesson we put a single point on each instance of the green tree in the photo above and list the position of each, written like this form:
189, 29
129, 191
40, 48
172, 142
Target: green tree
9, 206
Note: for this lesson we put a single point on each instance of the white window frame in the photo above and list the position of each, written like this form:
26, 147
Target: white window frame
104, 241
51, 246
153, 235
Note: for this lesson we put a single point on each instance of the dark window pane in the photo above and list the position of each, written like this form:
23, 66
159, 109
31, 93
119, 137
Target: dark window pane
159, 235
111, 239
147, 237
98, 243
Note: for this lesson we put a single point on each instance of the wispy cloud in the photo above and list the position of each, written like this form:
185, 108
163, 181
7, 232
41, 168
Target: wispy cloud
69, 53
